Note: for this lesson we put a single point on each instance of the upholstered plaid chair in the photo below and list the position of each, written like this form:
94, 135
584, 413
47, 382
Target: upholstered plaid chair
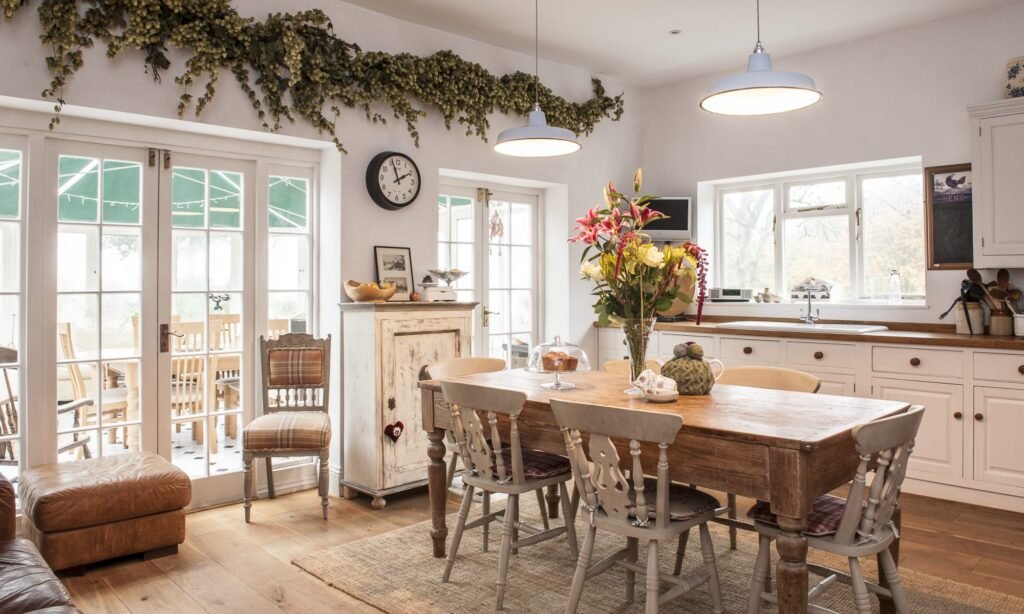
296, 381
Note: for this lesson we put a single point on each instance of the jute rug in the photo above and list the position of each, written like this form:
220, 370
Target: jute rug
397, 573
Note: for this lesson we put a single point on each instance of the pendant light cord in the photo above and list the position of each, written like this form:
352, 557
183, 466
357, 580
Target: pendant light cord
759, 23
536, 52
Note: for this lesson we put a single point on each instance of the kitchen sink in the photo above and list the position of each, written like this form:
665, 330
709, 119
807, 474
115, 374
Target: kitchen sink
846, 329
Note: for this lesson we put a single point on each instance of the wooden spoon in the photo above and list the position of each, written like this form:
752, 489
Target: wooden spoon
975, 276
1003, 278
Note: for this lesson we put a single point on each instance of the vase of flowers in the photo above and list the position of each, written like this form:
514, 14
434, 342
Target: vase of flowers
634, 278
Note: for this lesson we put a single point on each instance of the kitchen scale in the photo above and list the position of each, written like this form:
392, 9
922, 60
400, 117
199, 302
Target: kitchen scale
433, 293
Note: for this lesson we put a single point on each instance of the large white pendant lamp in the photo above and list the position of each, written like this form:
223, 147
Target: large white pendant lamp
536, 139
760, 90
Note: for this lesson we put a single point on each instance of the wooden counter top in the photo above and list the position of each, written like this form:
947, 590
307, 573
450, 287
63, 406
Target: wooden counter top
939, 335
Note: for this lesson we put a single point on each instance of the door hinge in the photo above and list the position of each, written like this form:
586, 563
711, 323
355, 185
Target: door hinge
152, 157
167, 160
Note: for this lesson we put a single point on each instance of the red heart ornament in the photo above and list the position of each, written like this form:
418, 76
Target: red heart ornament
394, 431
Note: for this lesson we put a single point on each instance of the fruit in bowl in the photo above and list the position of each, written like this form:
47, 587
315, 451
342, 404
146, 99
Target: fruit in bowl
369, 292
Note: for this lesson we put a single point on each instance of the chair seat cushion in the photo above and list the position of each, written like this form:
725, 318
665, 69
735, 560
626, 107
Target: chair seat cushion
823, 520
26, 582
288, 430
537, 465
684, 503
85, 493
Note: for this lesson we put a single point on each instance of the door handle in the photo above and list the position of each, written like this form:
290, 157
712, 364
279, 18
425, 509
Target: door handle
488, 314
165, 332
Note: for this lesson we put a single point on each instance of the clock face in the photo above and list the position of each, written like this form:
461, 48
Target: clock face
393, 180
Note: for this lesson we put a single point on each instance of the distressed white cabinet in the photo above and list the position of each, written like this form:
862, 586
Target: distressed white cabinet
998, 435
998, 165
839, 384
385, 346
939, 447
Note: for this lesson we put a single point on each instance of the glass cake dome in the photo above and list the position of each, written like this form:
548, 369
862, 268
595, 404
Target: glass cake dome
558, 358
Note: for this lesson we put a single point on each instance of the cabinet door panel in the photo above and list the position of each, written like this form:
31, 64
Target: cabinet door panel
997, 436
1002, 165
939, 448
839, 384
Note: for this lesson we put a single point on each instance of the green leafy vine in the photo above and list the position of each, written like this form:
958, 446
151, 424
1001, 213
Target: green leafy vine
292, 65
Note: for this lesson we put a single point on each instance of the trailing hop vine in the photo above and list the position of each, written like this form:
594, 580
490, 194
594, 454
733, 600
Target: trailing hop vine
291, 65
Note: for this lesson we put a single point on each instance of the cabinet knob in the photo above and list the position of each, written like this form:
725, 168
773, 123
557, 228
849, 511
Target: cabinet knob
748, 350
958, 415
819, 355
915, 362
391, 403
979, 417
1020, 369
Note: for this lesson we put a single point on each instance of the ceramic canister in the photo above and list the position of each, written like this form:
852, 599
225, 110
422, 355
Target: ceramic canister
1015, 78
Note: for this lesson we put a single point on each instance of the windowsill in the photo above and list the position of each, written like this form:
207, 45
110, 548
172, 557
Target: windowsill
845, 304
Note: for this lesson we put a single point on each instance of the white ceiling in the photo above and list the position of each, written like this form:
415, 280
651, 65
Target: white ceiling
629, 40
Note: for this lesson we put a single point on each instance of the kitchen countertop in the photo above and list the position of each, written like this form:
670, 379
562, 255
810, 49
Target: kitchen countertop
910, 334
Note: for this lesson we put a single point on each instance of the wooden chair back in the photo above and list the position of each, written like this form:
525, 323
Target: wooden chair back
8, 419
226, 331
67, 352
621, 366
467, 365
776, 378
191, 339
598, 474
481, 448
296, 373
277, 327
886, 446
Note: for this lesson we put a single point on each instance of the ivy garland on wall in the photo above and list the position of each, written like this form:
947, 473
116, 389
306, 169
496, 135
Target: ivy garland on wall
292, 65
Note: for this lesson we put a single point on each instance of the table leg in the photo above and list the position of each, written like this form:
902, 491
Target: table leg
791, 571
886, 604
552, 499
437, 484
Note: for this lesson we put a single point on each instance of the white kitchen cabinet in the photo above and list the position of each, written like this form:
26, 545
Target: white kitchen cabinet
385, 346
939, 448
998, 435
998, 165
839, 384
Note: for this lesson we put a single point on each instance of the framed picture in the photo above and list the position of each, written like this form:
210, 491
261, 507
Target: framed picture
948, 197
394, 266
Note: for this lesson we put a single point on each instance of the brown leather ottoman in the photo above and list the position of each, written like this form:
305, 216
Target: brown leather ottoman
101, 508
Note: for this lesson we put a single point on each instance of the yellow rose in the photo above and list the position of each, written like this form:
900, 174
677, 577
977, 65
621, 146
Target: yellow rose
651, 256
589, 270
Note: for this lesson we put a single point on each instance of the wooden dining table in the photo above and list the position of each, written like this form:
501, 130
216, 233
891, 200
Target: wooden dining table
786, 448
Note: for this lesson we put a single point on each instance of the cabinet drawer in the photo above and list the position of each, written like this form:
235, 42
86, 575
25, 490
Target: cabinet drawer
842, 355
914, 361
750, 350
610, 338
999, 367
669, 341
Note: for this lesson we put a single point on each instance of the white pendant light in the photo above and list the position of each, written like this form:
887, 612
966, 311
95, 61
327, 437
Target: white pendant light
536, 139
760, 90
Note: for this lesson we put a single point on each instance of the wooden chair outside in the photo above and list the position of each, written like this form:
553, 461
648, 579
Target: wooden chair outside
115, 400
456, 367
623, 505
296, 375
621, 366
9, 423
277, 327
188, 378
496, 468
774, 378
859, 526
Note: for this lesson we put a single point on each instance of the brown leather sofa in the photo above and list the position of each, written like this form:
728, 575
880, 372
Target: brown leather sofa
26, 582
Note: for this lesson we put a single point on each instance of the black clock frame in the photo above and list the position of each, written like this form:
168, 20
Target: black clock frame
373, 187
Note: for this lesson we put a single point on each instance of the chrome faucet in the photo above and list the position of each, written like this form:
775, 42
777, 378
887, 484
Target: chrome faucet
808, 318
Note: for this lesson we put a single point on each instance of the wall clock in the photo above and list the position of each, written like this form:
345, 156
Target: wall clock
393, 180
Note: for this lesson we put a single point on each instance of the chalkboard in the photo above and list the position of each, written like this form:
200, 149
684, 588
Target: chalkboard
948, 216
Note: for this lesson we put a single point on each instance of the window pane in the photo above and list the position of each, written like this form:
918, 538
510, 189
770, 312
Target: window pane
463, 220
10, 327
803, 196
748, 246
122, 258
521, 310
188, 198
122, 192
226, 261
443, 217
522, 224
498, 266
78, 255
497, 222
78, 326
10, 256
893, 218
288, 312
818, 247
288, 202
288, 262
522, 267
78, 189
120, 334
225, 199
10, 183
188, 260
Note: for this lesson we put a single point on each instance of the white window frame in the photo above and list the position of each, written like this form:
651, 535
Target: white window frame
780, 186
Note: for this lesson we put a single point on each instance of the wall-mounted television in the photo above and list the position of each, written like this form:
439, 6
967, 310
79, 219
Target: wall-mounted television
678, 226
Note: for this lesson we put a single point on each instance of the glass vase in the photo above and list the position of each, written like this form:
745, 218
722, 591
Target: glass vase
637, 333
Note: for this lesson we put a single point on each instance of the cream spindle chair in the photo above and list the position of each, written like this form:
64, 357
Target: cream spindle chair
495, 468
634, 507
860, 525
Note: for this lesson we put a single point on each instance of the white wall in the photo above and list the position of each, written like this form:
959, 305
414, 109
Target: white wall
899, 94
610, 152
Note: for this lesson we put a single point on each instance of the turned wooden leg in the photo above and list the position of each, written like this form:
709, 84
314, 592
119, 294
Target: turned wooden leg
552, 498
247, 483
731, 513
885, 604
791, 571
438, 488
324, 480
632, 544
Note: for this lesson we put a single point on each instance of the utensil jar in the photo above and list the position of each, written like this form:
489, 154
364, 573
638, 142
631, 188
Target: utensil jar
976, 315
1000, 324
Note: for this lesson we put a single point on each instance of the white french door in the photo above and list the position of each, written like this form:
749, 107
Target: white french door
493, 234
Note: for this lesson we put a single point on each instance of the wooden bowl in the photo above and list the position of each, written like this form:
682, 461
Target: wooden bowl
365, 293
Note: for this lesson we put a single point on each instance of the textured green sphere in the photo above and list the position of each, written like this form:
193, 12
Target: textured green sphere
693, 376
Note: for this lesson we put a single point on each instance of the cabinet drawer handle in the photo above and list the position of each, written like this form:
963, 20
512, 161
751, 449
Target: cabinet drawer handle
958, 415
819, 355
915, 362
391, 403
748, 350
1020, 369
979, 417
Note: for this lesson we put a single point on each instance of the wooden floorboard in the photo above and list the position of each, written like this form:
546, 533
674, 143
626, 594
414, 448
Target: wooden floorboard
227, 565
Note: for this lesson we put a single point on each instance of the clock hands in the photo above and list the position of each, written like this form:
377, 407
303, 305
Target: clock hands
395, 168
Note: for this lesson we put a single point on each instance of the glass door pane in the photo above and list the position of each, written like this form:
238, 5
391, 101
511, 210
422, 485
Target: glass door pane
105, 227
510, 277
11, 245
204, 374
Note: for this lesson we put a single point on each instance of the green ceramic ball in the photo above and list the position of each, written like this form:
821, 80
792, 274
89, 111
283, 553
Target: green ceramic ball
693, 376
